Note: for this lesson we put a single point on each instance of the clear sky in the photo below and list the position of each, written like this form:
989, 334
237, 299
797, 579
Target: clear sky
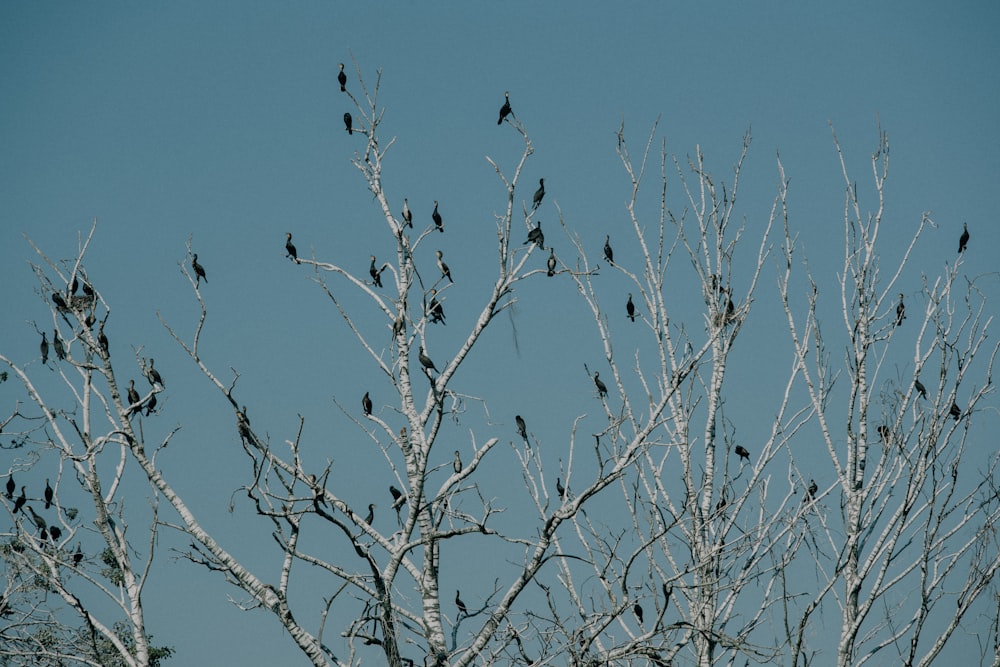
223, 121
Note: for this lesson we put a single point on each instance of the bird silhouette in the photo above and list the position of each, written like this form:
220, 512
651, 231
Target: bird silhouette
535, 236
102, 340
436, 217
457, 463
366, 404
883, 432
426, 362
10, 487
398, 497
77, 555
133, 398
153, 375
536, 200
47, 494
348, 122
900, 311
609, 254
375, 274
290, 249
199, 271
55, 532
57, 345
505, 109
60, 302
370, 517
919, 386
602, 389
522, 428
342, 78
811, 491
19, 502
407, 214
445, 271
39, 521
44, 347
151, 404
963, 240
74, 285
742, 452
637, 609
630, 308
551, 263
434, 308
560, 489
462, 609
955, 411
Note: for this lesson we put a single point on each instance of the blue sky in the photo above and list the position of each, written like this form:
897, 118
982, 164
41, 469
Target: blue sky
223, 121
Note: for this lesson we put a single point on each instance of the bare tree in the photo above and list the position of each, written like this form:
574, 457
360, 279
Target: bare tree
914, 544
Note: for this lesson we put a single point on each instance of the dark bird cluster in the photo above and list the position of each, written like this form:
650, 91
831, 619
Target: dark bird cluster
505, 109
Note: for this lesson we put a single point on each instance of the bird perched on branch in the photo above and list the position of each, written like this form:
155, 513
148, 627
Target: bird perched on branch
522, 428
742, 452
609, 254
48, 494
370, 517
366, 404
436, 217
102, 339
133, 398
407, 214
900, 310
19, 502
60, 302
348, 121
560, 489
44, 347
151, 404
456, 465
398, 497
10, 487
551, 263
963, 240
153, 375
539, 194
919, 386
505, 109
535, 236
602, 389
55, 532
40, 522
637, 610
375, 273
77, 555
342, 79
434, 308
199, 271
57, 345
426, 362
630, 308
955, 411
445, 271
462, 609
811, 491
290, 249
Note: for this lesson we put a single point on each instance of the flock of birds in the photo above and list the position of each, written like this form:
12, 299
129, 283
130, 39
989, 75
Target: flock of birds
435, 312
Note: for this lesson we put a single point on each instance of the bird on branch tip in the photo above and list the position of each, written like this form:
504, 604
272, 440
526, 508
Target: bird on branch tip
505, 109
290, 249
342, 79
199, 270
963, 240
522, 428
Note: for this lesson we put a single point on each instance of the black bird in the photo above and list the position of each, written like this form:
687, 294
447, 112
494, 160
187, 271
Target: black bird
366, 404
462, 609
371, 514
919, 386
60, 302
884, 433
88, 289
133, 398
955, 411
77, 555
535, 236
398, 498
151, 405
43, 534
964, 239
551, 264
560, 489
19, 502
40, 522
199, 271
74, 286
742, 452
630, 308
290, 249
375, 274
102, 339
57, 345
153, 375
900, 311
445, 271
609, 254
426, 362
347, 121
457, 463
434, 308
407, 214
437, 218
44, 347
539, 194
811, 491
55, 532
522, 428
47, 494
342, 79
10, 487
602, 389
505, 109
91, 320
637, 608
